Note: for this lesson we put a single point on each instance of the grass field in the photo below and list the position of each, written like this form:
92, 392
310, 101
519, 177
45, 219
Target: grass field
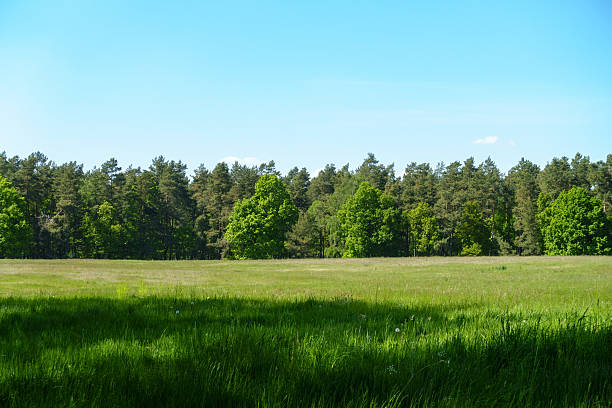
379, 332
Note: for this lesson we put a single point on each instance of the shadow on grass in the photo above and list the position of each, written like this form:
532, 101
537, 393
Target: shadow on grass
245, 352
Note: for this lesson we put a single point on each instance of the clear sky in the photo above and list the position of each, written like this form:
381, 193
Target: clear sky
305, 83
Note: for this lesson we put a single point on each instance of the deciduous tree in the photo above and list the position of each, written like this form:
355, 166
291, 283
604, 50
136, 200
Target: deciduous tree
423, 229
258, 225
370, 224
574, 224
15, 232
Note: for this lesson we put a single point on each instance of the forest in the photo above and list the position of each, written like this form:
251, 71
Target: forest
50, 210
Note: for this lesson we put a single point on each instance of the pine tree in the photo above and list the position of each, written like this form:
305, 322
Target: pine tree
523, 180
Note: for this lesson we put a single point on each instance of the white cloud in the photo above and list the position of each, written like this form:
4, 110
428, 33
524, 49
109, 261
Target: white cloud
486, 140
248, 161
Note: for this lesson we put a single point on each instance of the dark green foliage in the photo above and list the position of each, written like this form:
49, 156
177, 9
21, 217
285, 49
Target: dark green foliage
258, 225
33, 178
448, 208
424, 232
304, 240
65, 224
15, 232
317, 214
581, 169
297, 183
105, 235
474, 231
378, 175
522, 178
140, 208
370, 224
323, 185
556, 177
243, 179
175, 209
600, 178
162, 213
214, 207
574, 224
418, 185
201, 224
346, 185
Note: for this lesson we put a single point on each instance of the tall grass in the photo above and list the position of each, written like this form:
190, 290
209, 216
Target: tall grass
140, 345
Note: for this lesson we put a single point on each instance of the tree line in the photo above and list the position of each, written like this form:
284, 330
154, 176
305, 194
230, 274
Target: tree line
463, 208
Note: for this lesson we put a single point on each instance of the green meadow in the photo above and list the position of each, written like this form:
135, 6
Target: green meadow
431, 332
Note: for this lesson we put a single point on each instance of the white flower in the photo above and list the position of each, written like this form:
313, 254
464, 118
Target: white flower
177, 312
397, 329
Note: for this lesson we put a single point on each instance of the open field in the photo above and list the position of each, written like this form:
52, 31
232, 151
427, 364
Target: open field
378, 332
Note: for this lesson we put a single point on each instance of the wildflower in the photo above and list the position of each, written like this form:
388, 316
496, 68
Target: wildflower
397, 329
177, 312
192, 303
391, 370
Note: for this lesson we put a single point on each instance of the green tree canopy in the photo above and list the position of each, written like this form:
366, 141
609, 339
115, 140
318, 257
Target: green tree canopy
258, 225
574, 224
297, 182
423, 229
370, 223
161, 213
105, 236
522, 179
15, 232
378, 175
474, 231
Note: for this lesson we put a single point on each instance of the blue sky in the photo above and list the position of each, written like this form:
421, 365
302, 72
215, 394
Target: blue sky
305, 83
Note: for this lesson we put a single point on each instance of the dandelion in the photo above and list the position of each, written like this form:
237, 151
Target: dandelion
397, 329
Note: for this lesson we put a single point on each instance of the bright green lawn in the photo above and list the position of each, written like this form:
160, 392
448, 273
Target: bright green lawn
378, 332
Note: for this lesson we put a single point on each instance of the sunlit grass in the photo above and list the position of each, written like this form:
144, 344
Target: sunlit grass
396, 332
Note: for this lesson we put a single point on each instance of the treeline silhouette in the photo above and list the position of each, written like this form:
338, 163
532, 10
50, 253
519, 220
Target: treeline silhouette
163, 213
